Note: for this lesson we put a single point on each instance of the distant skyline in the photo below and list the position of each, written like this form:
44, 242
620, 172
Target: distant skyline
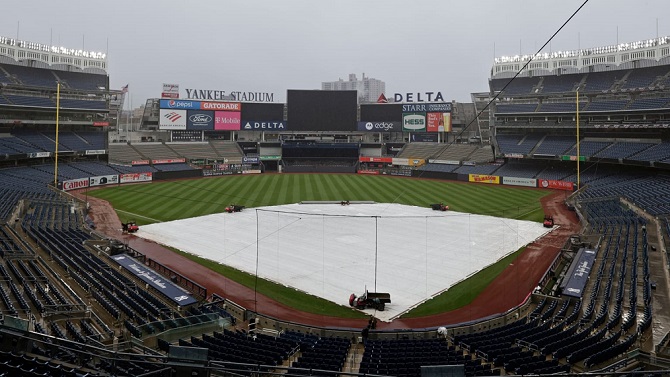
273, 46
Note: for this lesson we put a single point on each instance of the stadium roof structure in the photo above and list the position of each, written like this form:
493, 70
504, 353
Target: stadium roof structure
612, 55
52, 55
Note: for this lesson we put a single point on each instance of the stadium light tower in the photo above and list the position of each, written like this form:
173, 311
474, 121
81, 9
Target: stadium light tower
578, 156
56, 150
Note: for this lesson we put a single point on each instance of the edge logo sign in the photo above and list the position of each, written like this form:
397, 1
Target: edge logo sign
379, 126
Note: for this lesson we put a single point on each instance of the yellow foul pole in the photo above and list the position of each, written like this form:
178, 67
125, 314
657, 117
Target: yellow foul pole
578, 155
56, 150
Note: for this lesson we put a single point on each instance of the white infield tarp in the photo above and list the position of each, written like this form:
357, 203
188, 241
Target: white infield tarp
331, 251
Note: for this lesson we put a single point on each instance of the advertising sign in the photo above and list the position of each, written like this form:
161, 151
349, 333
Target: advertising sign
169, 161
100, 124
447, 122
172, 119
39, 154
578, 274
514, 181
400, 161
424, 137
445, 162
199, 120
427, 108
158, 282
135, 177
372, 172
215, 95
379, 126
513, 155
418, 97
269, 157
179, 104
479, 178
434, 122
74, 184
103, 180
387, 160
95, 152
140, 162
170, 91
414, 122
416, 161
250, 160
556, 185
252, 125
227, 121
221, 106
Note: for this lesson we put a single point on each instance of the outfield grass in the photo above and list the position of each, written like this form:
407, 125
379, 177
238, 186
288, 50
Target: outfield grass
167, 201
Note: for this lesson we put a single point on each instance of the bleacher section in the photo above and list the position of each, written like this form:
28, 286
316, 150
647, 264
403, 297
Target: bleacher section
30, 101
82, 81
649, 103
555, 145
643, 78
522, 85
520, 170
588, 148
602, 81
482, 155
124, 153
421, 150
560, 84
560, 107
13, 145
657, 152
611, 105
503, 108
456, 152
226, 149
622, 149
518, 144
30, 76
194, 150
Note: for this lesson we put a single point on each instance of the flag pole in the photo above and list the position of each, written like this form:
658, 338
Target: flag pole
56, 150
578, 155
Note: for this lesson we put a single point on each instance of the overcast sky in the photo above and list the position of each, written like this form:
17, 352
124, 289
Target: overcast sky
272, 46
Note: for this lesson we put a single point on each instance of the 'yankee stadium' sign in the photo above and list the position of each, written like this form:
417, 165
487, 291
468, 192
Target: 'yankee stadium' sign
221, 95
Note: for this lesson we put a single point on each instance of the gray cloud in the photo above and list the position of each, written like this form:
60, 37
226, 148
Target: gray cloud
271, 46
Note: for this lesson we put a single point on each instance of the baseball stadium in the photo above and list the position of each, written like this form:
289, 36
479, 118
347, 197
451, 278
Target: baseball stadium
524, 233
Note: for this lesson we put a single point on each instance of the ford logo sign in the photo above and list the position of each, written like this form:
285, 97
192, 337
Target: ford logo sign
200, 118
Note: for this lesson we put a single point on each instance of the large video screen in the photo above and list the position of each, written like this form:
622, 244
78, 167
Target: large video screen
322, 110
263, 112
383, 112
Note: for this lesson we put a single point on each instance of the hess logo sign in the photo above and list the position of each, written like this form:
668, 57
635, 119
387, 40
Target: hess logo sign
414, 122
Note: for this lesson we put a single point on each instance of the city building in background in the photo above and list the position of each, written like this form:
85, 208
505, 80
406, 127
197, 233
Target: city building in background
368, 89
